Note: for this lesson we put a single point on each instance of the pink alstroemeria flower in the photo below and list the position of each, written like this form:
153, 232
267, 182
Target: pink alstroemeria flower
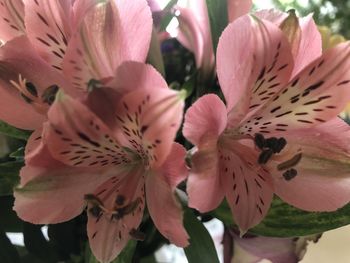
114, 160
194, 29
55, 53
277, 133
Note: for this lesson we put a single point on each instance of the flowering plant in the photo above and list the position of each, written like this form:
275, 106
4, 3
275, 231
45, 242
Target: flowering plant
126, 140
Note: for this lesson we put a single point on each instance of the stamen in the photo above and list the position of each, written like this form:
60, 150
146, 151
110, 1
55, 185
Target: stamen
95, 211
49, 94
259, 141
290, 163
290, 174
264, 156
120, 200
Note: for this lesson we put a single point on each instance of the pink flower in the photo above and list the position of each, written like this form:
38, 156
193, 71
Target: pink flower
195, 33
112, 153
278, 132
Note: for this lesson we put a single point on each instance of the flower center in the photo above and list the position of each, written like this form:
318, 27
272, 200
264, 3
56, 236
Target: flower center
120, 209
271, 146
30, 95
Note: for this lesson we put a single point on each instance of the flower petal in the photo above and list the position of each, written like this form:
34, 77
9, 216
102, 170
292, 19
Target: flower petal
48, 28
195, 33
205, 175
25, 107
237, 8
247, 186
273, 15
106, 38
257, 49
54, 195
205, 118
149, 120
125, 196
310, 46
11, 22
317, 94
136, 28
164, 208
323, 172
77, 137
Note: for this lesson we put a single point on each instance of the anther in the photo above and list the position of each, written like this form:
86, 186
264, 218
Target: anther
31, 89
290, 163
264, 156
49, 94
95, 211
290, 174
120, 200
259, 141
281, 143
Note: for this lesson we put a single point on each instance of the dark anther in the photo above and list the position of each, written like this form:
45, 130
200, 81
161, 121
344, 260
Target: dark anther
137, 235
49, 94
126, 210
264, 156
26, 99
281, 143
120, 200
290, 174
31, 89
92, 199
259, 141
271, 143
95, 211
144, 128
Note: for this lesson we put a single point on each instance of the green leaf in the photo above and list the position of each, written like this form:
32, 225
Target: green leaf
9, 221
11, 131
8, 252
201, 248
168, 15
218, 17
9, 176
124, 257
284, 220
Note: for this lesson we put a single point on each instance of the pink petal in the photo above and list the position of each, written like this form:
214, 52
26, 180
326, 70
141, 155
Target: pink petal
145, 76
95, 49
310, 46
323, 172
106, 38
149, 120
205, 175
163, 206
136, 28
53, 195
257, 49
48, 28
77, 137
108, 235
237, 8
247, 186
207, 117
19, 60
11, 24
317, 94
195, 33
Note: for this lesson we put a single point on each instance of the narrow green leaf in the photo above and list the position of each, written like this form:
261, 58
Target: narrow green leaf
124, 257
8, 252
218, 17
9, 176
201, 248
284, 220
168, 15
11, 131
